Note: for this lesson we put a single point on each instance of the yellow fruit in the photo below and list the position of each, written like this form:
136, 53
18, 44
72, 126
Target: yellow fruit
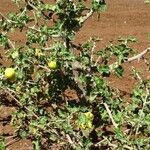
52, 64
10, 74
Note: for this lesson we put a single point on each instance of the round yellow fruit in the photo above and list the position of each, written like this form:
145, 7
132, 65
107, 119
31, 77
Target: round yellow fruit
52, 64
10, 74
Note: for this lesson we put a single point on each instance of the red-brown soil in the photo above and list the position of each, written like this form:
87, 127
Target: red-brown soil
123, 18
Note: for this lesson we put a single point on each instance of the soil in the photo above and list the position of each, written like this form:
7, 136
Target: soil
122, 18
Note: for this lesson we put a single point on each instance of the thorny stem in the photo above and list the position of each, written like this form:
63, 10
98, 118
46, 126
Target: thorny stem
28, 27
37, 30
7, 19
116, 63
141, 111
69, 139
131, 58
9, 41
9, 91
138, 56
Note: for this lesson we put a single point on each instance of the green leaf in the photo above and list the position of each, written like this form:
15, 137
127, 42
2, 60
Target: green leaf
23, 134
15, 54
99, 5
2, 144
119, 71
105, 70
36, 145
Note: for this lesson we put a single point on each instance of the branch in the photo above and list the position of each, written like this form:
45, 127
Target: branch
114, 65
31, 5
115, 146
7, 19
28, 27
45, 68
110, 115
9, 91
4, 17
92, 51
138, 56
11, 43
86, 17
12, 141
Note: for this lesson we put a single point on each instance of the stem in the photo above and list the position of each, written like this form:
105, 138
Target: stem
35, 18
12, 141
69, 139
7, 19
8, 91
22, 12
9, 137
131, 58
138, 56
43, 67
11, 43
4, 17
110, 115
28, 27
97, 60
92, 51
87, 16
141, 113
32, 6
115, 145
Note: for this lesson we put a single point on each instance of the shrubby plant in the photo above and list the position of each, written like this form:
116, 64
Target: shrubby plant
50, 63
